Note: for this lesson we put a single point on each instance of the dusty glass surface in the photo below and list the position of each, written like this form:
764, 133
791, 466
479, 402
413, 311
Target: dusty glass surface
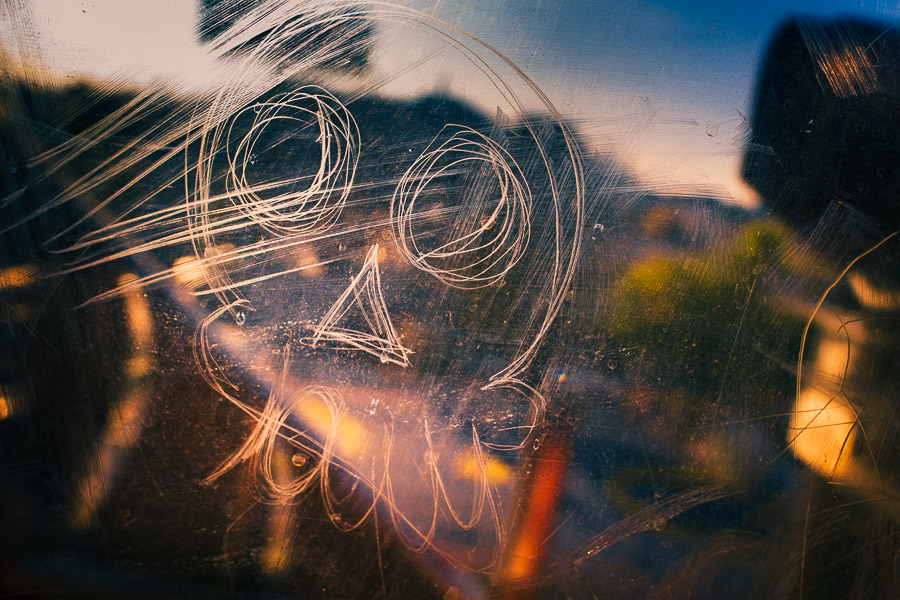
456, 300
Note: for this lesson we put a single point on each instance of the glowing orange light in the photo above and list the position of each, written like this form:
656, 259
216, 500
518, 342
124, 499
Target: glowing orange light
15, 277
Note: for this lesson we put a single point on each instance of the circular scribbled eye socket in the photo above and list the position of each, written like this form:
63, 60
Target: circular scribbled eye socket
310, 135
462, 210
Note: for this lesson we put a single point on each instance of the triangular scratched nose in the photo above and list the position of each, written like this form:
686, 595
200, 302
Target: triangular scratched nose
363, 298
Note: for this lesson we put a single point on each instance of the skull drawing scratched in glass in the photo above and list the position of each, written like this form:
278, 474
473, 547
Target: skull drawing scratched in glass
387, 272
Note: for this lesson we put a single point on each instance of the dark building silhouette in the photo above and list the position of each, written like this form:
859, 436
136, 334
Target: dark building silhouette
826, 124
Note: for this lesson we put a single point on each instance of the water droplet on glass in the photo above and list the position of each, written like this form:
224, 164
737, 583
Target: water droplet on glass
298, 459
612, 363
240, 317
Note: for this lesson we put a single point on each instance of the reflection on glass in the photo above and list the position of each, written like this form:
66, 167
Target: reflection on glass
360, 299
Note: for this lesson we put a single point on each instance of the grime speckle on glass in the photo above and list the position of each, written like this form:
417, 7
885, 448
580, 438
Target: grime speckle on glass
449, 299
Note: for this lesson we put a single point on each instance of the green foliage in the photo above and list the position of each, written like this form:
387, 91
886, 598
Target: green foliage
699, 325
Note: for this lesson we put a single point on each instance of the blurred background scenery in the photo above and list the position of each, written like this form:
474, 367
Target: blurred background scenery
449, 299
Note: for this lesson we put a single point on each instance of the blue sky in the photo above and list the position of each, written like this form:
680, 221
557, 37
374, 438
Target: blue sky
644, 81
685, 67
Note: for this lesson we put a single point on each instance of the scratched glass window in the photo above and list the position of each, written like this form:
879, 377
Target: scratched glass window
461, 299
